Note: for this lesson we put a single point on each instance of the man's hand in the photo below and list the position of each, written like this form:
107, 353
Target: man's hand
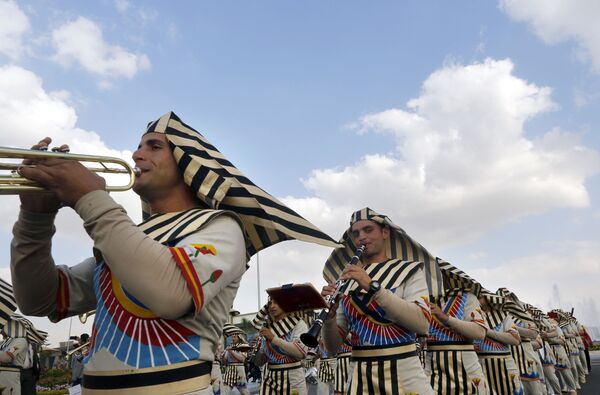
438, 313
40, 202
267, 334
327, 291
67, 180
357, 274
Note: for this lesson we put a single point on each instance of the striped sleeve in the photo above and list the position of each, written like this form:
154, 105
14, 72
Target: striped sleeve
62, 295
183, 261
211, 259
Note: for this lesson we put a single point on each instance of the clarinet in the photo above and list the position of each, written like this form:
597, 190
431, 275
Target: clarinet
311, 338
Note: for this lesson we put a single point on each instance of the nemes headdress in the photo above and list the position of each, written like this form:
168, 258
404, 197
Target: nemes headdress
514, 306
220, 185
8, 304
399, 246
455, 279
19, 326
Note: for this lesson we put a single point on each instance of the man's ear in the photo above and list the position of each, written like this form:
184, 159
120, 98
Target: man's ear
385, 231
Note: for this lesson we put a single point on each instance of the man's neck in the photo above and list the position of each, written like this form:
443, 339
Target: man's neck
375, 259
179, 200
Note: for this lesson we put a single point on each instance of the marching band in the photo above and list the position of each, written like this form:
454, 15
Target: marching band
161, 291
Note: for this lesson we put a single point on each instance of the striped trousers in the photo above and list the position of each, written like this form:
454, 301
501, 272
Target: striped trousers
501, 373
391, 370
454, 369
342, 372
287, 379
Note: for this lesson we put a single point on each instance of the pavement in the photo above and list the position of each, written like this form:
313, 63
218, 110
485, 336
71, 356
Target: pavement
592, 387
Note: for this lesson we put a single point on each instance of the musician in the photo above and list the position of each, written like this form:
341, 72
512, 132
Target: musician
235, 371
451, 360
162, 290
384, 308
544, 350
77, 360
283, 352
556, 338
494, 351
13, 357
525, 356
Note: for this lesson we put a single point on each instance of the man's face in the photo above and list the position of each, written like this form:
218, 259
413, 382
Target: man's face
370, 234
159, 171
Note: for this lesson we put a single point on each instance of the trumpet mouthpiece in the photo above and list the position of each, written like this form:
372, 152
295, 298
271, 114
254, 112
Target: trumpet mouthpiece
137, 171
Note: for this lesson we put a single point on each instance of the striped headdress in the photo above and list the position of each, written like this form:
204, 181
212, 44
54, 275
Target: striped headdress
230, 330
281, 327
454, 278
220, 185
261, 317
8, 304
495, 301
19, 326
399, 246
514, 306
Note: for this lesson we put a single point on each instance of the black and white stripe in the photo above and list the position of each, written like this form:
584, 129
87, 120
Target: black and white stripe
448, 374
390, 274
220, 185
496, 373
8, 305
400, 246
19, 326
342, 370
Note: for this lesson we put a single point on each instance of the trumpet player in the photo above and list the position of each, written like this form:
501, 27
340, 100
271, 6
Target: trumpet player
384, 308
77, 359
161, 289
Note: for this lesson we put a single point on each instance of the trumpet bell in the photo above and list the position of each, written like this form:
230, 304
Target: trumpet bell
11, 183
83, 317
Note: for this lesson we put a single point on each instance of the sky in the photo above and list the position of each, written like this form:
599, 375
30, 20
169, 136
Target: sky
472, 125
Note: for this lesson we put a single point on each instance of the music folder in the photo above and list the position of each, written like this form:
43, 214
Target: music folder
297, 297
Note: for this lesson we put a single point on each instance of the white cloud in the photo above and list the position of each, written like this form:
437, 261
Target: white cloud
461, 163
82, 42
14, 25
29, 113
566, 275
556, 21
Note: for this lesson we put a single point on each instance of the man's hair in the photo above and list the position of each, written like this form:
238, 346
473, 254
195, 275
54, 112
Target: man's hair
84, 337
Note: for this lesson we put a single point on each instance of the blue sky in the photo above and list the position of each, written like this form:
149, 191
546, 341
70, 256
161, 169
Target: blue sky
472, 124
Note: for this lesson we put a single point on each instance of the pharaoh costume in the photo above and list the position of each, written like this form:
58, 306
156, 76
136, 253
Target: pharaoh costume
198, 252
16, 360
383, 350
284, 354
451, 361
496, 361
326, 371
234, 360
573, 346
545, 352
525, 356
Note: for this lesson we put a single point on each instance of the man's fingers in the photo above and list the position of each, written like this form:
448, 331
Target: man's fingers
38, 174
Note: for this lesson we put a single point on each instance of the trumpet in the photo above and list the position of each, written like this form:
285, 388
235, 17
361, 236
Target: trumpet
76, 349
311, 338
83, 317
12, 183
